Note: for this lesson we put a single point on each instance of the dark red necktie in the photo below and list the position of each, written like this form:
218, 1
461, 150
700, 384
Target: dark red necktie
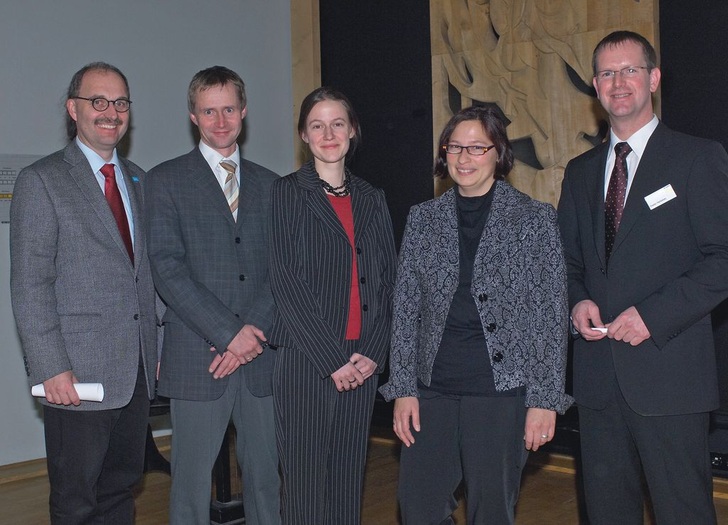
614, 203
113, 197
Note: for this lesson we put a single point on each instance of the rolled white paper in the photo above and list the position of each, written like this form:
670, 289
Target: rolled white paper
86, 391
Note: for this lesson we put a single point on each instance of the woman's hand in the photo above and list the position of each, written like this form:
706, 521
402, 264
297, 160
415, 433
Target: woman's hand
540, 427
348, 377
362, 363
406, 410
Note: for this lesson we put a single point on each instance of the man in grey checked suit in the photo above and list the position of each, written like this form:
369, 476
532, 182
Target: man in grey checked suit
83, 300
208, 238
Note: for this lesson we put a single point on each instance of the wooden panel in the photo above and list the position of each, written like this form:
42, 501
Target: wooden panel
517, 54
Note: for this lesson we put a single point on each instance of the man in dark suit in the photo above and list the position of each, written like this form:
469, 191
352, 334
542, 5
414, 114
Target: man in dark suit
208, 238
647, 258
83, 301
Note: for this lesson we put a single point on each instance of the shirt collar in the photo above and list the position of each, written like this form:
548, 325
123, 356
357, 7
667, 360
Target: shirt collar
638, 140
213, 157
94, 159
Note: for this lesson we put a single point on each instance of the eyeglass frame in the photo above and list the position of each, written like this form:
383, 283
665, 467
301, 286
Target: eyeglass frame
108, 103
460, 148
624, 72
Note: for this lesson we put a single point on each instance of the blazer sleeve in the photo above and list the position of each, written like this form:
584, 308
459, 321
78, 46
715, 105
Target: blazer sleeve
546, 282
33, 249
376, 341
405, 318
189, 299
690, 297
298, 307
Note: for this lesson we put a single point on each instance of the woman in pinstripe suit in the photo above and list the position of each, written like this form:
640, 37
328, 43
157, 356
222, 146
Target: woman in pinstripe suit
332, 275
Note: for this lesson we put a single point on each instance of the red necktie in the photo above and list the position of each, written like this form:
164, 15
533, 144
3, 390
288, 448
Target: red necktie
113, 197
614, 203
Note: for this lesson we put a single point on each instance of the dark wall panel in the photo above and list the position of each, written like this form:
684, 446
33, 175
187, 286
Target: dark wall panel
378, 53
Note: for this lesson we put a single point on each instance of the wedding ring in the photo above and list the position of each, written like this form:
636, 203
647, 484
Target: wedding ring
544, 436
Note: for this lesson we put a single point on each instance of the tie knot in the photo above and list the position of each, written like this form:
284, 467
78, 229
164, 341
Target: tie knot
228, 165
107, 170
622, 149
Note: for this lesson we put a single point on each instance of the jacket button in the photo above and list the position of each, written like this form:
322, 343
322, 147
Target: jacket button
358, 250
483, 297
364, 307
136, 317
491, 328
237, 240
498, 357
363, 280
242, 277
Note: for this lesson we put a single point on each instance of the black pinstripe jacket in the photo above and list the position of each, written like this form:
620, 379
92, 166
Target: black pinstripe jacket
310, 270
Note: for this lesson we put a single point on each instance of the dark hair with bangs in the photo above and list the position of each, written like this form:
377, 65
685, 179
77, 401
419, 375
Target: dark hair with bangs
493, 126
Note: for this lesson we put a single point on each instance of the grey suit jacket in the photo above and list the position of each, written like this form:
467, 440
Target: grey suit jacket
211, 271
670, 262
518, 285
78, 301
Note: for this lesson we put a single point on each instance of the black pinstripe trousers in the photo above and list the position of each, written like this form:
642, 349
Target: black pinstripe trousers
322, 437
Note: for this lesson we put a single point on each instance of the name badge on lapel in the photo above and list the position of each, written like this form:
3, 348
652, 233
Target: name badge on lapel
660, 197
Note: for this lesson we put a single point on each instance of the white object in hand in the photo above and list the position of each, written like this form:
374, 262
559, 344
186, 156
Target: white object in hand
86, 391
602, 329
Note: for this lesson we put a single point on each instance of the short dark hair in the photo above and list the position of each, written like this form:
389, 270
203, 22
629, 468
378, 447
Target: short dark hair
74, 88
215, 76
493, 126
329, 93
620, 37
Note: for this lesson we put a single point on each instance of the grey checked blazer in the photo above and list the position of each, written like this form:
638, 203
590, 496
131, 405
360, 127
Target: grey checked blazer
211, 271
78, 301
519, 287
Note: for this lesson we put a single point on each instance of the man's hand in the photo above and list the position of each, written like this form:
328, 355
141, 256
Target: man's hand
223, 365
59, 389
584, 316
629, 327
246, 344
348, 377
406, 411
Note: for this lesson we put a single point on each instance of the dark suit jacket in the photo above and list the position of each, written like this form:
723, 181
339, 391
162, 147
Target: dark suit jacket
671, 263
311, 270
211, 271
78, 301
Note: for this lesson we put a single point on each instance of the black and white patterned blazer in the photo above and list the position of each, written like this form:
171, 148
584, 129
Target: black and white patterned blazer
518, 285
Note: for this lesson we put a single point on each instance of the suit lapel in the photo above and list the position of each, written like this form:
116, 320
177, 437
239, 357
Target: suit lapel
85, 178
363, 207
204, 179
594, 187
646, 180
133, 188
318, 202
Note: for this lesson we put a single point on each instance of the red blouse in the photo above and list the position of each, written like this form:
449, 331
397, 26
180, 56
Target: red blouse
342, 207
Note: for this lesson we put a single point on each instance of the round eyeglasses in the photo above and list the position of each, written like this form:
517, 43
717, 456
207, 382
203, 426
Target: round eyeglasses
121, 105
457, 149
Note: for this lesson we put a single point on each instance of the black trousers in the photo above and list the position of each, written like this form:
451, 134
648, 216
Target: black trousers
95, 458
478, 440
617, 445
322, 437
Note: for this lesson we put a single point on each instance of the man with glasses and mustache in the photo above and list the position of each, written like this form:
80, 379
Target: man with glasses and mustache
644, 218
83, 300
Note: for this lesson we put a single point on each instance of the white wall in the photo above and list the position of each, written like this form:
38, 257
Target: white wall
159, 45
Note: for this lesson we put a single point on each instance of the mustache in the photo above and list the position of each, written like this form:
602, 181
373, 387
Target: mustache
108, 120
